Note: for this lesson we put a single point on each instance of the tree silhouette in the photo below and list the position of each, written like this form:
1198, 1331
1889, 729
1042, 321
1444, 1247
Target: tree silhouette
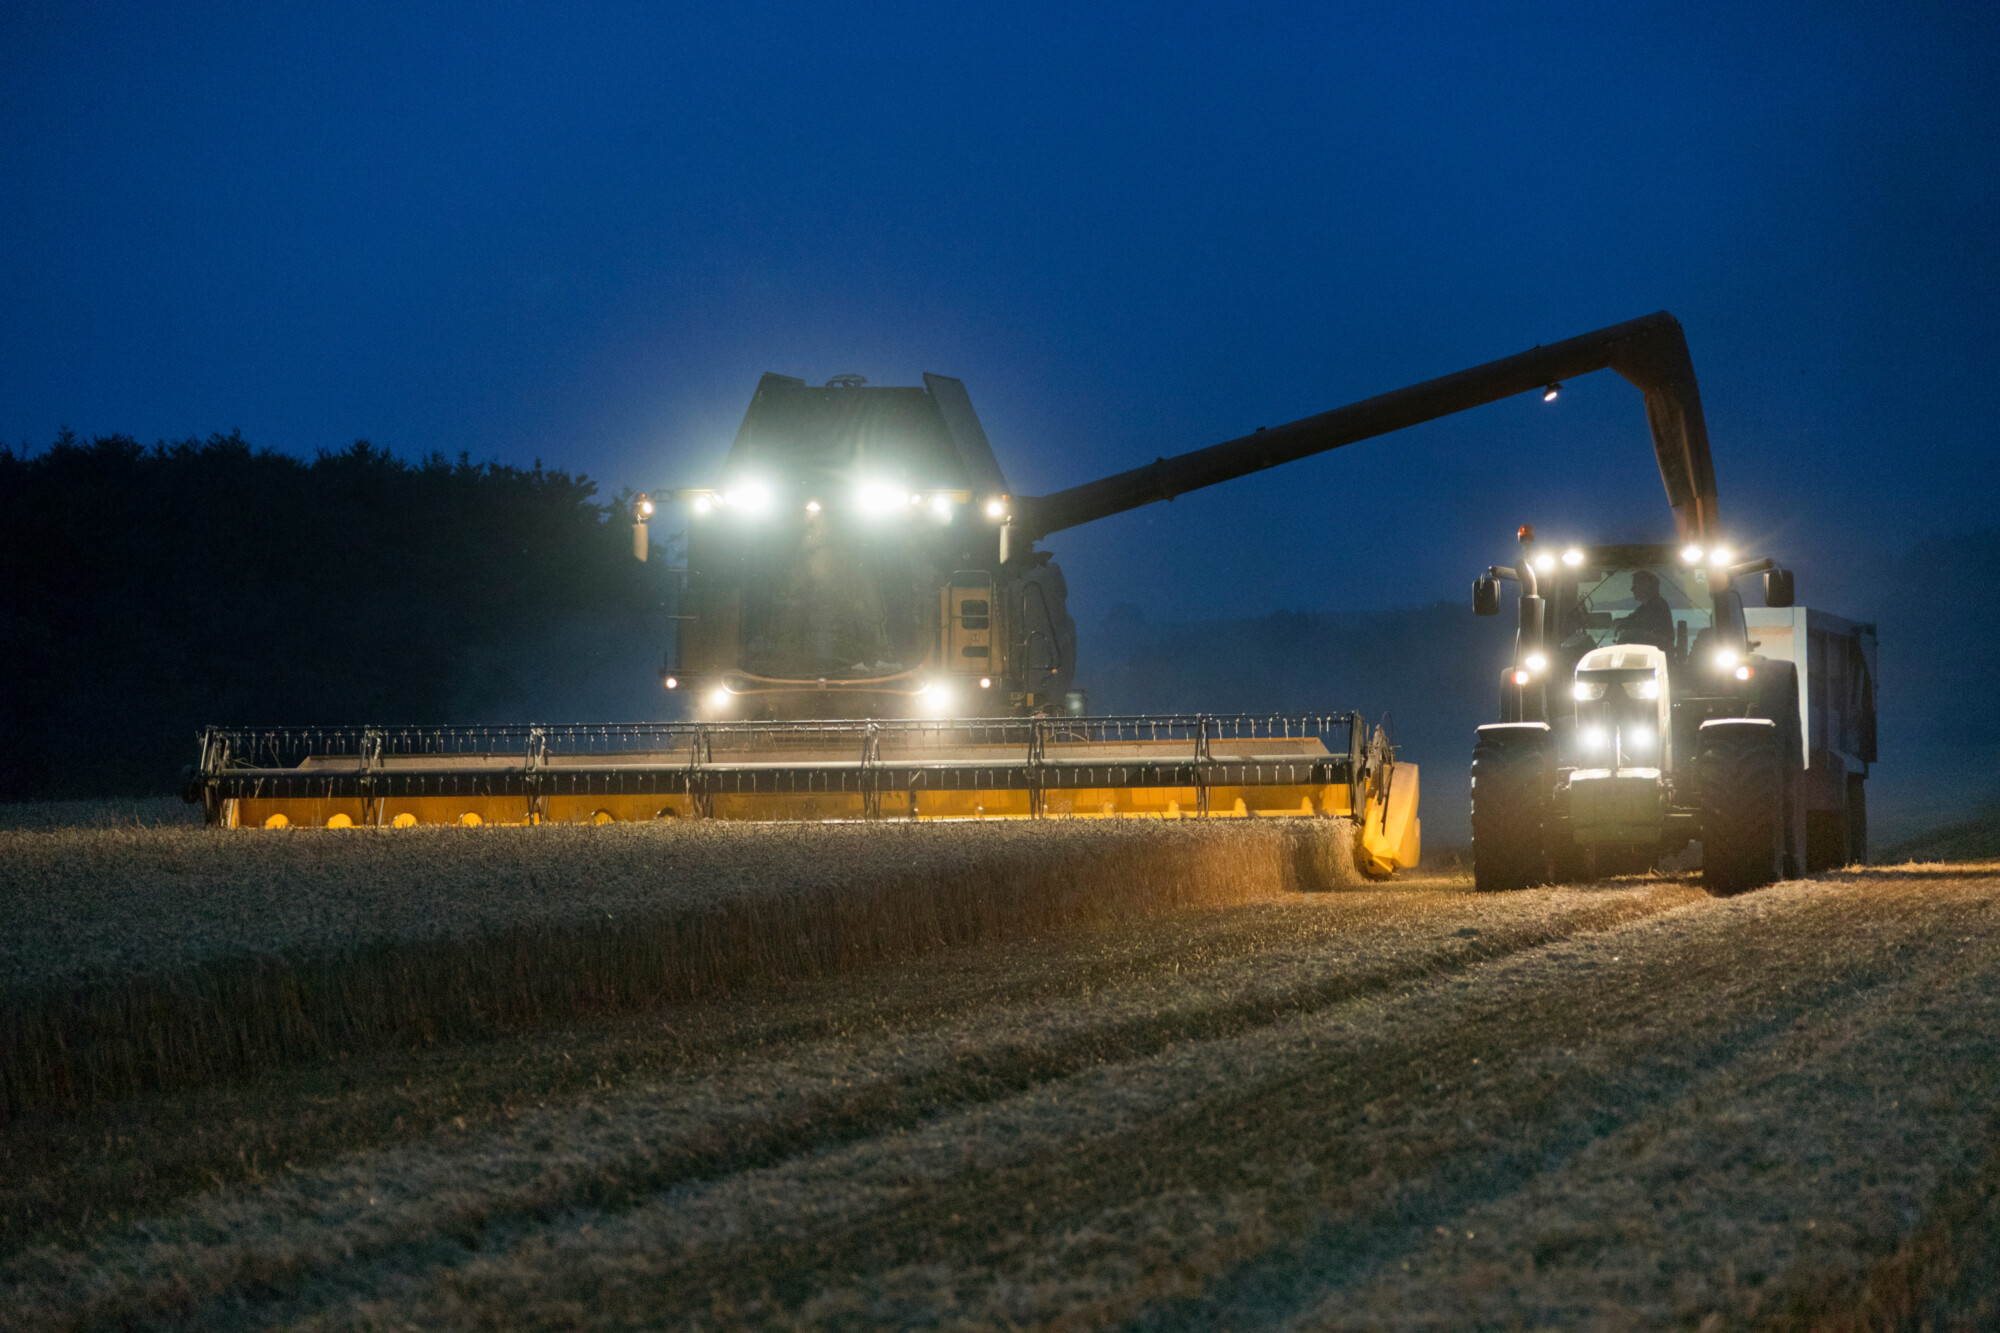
151, 591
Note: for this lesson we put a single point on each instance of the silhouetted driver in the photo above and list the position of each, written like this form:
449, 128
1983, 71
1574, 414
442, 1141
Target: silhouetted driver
1652, 620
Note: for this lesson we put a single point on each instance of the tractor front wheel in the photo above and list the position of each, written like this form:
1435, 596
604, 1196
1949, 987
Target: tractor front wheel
1510, 799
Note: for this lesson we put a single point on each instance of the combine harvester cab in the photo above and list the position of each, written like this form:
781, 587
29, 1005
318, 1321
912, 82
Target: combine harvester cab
1286, 767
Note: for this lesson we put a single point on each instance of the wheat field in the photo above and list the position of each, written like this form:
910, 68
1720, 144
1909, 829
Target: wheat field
1400, 1106
136, 956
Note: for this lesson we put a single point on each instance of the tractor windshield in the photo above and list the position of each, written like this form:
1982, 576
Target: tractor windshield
1662, 604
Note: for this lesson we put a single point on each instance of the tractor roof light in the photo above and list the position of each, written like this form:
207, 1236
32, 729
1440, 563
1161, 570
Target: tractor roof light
996, 507
812, 506
1573, 557
1545, 561
673, 682
986, 682
1719, 557
1691, 555
703, 504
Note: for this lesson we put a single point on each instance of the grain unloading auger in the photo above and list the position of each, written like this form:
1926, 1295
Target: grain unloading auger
868, 630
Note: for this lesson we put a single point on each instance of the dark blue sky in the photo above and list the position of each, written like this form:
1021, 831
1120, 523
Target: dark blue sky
580, 234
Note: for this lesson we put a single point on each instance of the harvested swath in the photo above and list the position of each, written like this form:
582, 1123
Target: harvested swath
146, 957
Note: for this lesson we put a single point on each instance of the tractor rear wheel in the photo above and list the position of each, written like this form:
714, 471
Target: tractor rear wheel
1740, 765
1510, 800
1857, 820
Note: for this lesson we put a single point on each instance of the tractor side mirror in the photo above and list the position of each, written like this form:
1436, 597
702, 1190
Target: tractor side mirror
1778, 588
1485, 596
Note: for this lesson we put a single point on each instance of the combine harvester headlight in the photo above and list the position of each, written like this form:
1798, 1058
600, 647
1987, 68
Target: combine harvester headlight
877, 499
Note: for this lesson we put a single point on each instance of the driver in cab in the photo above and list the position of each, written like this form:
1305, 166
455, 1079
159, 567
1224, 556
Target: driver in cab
1652, 620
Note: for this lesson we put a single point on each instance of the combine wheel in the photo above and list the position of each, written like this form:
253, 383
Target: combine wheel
1740, 765
1511, 781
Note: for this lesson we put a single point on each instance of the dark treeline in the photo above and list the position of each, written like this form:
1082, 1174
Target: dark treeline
151, 591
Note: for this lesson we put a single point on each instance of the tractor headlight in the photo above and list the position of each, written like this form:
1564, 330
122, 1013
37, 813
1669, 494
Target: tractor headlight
1536, 662
1595, 738
719, 698
1639, 740
1725, 659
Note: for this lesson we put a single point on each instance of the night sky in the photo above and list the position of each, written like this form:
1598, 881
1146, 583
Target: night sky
580, 234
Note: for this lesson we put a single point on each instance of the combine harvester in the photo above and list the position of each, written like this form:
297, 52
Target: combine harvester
869, 631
